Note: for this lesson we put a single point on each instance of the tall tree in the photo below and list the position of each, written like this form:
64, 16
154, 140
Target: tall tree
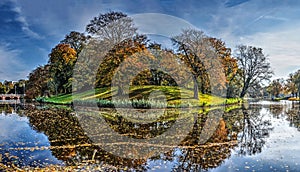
129, 50
2, 88
9, 85
76, 40
254, 66
112, 27
166, 70
229, 64
107, 32
196, 53
296, 82
37, 82
290, 86
61, 61
276, 87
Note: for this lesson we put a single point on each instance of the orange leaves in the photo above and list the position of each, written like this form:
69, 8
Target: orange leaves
62, 60
63, 52
125, 56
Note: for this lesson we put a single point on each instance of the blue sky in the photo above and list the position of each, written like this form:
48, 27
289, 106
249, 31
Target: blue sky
31, 28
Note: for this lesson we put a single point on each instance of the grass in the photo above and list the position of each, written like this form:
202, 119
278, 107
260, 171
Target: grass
141, 97
285, 98
294, 99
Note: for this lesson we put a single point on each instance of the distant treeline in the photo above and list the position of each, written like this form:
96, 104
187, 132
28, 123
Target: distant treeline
10, 87
285, 87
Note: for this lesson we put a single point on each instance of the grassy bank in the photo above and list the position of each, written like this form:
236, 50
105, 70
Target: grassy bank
141, 97
287, 98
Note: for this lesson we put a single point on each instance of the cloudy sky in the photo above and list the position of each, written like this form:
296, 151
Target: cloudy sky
29, 29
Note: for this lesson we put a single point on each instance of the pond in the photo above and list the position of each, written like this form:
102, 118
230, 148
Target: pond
261, 136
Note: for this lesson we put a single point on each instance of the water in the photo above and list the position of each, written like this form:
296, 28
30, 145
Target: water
17, 138
280, 151
261, 136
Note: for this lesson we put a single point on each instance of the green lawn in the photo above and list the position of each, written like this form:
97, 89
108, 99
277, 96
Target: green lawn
175, 97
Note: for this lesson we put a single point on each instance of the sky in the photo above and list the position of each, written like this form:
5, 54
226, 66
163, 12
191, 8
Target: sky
29, 29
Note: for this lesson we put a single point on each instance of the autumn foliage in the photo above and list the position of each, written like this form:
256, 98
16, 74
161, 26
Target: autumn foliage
208, 59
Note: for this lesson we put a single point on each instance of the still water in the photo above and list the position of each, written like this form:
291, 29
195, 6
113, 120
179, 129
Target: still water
263, 136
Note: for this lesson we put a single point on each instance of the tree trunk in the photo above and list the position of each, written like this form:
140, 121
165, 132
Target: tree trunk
229, 92
243, 93
120, 91
244, 90
196, 94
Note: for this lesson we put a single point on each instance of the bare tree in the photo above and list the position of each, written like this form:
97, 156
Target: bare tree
112, 27
254, 66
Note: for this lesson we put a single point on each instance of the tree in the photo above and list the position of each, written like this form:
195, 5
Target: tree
107, 32
129, 50
20, 86
37, 82
9, 86
76, 40
2, 88
296, 82
62, 60
229, 64
112, 27
87, 64
290, 86
198, 54
276, 87
254, 66
166, 69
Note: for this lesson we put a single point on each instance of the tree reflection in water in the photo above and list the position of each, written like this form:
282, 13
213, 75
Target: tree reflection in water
197, 156
8, 108
70, 143
241, 129
254, 128
293, 116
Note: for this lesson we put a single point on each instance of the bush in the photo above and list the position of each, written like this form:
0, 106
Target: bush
145, 104
40, 99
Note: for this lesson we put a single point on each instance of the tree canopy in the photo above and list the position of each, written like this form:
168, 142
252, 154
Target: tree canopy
213, 67
254, 66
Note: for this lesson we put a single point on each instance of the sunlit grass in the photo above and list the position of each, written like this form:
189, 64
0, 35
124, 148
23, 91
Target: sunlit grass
294, 99
139, 97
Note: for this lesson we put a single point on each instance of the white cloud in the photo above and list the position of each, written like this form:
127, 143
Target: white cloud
25, 25
282, 47
160, 24
273, 28
245, 23
11, 67
31, 33
276, 18
17, 10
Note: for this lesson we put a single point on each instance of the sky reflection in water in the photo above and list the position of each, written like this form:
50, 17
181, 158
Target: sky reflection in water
15, 132
281, 151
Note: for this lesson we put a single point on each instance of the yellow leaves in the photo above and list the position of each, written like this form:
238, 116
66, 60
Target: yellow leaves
63, 52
